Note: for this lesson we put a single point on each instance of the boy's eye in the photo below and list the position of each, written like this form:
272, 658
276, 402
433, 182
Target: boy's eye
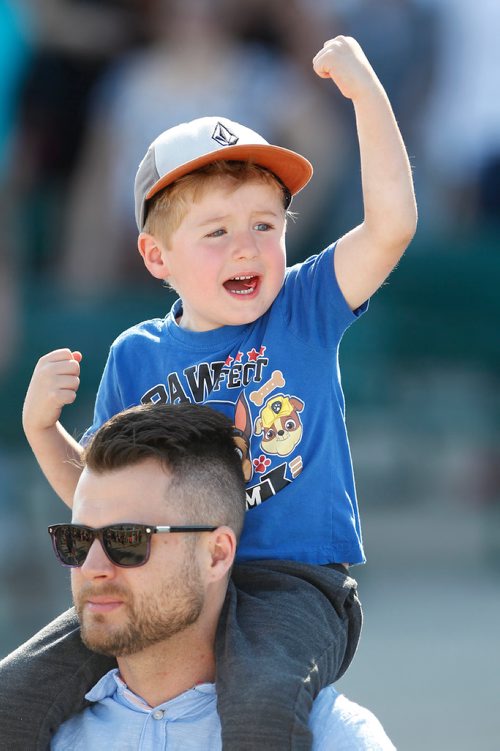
217, 233
263, 227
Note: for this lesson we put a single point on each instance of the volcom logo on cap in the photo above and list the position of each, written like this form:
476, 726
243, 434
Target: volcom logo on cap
223, 135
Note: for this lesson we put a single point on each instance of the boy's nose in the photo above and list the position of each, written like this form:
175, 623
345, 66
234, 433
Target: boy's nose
245, 246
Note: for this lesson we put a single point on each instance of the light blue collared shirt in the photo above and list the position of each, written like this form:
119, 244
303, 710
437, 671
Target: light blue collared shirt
119, 720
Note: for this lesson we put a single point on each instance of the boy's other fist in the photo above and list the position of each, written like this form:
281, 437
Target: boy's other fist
54, 384
343, 60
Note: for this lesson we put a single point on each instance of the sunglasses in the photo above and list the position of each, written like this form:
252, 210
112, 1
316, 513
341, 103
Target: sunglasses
125, 545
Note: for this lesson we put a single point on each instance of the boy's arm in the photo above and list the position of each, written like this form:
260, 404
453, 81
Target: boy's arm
54, 384
366, 255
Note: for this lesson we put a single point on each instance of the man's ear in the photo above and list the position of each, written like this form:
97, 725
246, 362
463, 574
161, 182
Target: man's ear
154, 255
222, 547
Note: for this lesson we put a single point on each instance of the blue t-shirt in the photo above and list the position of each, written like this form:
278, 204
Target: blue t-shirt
278, 380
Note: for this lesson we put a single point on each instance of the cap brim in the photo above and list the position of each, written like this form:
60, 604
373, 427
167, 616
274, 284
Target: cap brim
293, 170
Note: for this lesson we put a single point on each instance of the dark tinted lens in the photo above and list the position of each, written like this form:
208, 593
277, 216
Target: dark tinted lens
126, 544
73, 544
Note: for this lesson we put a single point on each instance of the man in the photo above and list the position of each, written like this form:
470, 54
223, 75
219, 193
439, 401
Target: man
156, 517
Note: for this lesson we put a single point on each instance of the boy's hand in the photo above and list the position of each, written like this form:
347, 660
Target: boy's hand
54, 384
343, 60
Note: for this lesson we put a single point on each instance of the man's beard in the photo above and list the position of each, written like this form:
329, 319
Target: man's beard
148, 619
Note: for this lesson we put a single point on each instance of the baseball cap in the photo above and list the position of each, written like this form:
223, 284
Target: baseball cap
189, 146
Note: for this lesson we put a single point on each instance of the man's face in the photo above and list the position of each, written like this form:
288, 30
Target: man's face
123, 611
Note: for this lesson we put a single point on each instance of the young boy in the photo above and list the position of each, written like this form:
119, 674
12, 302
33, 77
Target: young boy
260, 343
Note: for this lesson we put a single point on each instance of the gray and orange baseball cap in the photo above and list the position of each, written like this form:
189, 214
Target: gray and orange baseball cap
189, 146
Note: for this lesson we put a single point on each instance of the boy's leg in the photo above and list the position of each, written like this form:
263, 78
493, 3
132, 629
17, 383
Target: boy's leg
44, 682
287, 630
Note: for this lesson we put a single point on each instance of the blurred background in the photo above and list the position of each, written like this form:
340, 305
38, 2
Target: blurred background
85, 85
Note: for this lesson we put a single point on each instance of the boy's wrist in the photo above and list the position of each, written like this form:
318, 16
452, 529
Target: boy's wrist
37, 430
371, 91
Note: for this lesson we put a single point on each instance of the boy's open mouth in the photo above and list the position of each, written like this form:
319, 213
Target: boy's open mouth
241, 285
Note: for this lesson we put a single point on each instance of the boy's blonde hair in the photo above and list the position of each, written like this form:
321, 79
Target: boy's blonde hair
167, 209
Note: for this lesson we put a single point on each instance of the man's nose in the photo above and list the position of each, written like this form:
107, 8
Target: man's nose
97, 563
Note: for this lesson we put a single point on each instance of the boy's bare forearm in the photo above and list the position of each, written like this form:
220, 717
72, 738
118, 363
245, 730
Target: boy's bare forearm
54, 384
366, 255
390, 213
58, 455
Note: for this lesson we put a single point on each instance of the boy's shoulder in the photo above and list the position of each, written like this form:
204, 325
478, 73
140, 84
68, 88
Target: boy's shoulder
153, 328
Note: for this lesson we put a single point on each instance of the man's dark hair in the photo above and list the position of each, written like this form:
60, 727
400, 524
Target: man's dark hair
193, 443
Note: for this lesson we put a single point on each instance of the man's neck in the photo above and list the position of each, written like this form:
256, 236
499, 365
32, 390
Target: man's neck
165, 670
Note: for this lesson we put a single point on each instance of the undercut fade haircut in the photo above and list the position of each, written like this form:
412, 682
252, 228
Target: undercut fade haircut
193, 443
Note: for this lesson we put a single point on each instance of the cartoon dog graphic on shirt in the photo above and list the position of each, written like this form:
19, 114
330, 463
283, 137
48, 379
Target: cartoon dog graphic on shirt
279, 424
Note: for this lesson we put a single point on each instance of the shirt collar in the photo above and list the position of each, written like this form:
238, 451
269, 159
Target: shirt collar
112, 686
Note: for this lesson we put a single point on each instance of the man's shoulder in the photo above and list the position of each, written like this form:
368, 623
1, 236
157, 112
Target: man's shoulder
337, 722
34, 688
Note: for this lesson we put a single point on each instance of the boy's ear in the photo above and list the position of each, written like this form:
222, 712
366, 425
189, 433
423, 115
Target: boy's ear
153, 254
